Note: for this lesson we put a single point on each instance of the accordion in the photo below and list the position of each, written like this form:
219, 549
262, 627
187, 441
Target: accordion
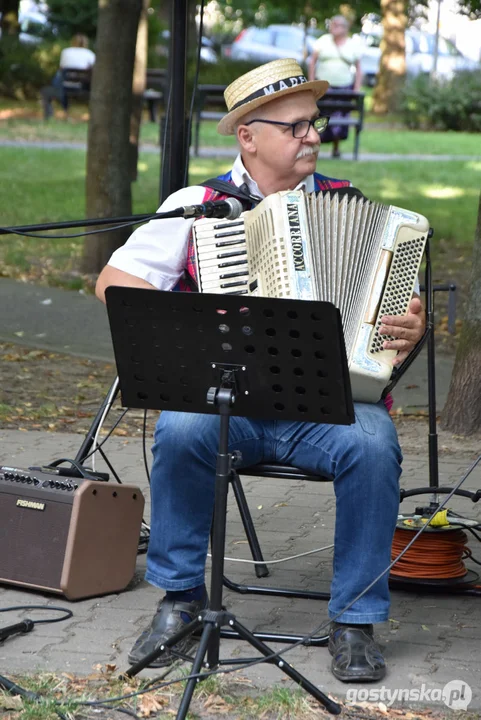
362, 256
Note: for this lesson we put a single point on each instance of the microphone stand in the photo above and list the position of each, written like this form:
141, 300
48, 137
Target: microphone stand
230, 209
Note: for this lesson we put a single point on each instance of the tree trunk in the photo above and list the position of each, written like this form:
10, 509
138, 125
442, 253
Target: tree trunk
138, 89
108, 189
9, 21
392, 69
462, 413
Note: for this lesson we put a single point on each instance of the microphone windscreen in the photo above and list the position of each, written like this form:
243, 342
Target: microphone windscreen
236, 208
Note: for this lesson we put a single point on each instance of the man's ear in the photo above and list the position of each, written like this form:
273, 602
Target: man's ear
246, 139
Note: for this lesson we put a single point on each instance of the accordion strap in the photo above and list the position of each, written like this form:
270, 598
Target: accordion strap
242, 193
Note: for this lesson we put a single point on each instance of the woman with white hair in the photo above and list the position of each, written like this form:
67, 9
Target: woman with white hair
336, 58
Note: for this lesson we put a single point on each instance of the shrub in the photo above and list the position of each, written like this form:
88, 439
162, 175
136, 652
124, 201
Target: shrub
25, 68
443, 104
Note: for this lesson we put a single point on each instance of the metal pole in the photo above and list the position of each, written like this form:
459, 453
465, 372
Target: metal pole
175, 145
436, 41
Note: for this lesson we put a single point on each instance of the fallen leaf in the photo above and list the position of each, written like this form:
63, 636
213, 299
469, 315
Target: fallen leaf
149, 705
11, 702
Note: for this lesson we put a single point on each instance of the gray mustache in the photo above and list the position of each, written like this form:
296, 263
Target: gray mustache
310, 150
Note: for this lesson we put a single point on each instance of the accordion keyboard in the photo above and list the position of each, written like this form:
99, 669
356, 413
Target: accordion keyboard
221, 256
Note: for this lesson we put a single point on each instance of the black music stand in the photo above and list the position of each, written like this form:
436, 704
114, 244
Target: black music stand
229, 355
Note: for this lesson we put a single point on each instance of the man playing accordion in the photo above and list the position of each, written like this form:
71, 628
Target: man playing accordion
272, 110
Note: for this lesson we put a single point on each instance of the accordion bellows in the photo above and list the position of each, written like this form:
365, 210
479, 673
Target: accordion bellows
362, 256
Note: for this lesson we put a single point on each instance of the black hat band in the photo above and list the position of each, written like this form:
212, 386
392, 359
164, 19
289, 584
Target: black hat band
285, 84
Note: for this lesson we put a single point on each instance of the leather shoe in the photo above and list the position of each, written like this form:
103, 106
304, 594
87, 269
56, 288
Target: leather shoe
356, 657
167, 621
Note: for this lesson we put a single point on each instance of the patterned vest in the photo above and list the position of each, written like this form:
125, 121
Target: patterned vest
185, 284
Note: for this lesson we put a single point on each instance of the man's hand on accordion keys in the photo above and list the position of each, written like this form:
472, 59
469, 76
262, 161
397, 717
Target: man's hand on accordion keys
407, 329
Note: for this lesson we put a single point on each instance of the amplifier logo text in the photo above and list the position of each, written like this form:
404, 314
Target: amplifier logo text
31, 504
296, 236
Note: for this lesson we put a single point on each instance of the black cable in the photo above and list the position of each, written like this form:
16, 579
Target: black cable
109, 465
13, 231
478, 538
117, 422
14, 689
127, 711
144, 448
83, 472
67, 613
166, 130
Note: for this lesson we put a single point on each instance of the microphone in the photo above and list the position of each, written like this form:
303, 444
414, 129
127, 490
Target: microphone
230, 209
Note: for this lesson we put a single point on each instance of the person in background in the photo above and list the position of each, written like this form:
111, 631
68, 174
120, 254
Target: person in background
76, 57
336, 58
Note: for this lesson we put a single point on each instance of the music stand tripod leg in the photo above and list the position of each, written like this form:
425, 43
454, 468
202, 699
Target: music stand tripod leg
215, 617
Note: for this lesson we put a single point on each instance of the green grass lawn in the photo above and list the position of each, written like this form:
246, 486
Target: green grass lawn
38, 185
378, 136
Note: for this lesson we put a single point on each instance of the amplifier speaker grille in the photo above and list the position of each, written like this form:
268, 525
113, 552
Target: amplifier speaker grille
79, 544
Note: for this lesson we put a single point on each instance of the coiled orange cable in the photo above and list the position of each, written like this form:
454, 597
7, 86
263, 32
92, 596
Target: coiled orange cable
434, 555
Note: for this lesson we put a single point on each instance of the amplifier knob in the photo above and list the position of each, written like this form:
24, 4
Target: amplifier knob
36, 481
23, 478
29, 480
70, 486
57, 484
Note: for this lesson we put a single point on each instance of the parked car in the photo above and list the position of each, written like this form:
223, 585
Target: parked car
272, 43
419, 56
207, 52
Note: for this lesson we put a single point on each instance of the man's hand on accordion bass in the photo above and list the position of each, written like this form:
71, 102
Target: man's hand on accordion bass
407, 329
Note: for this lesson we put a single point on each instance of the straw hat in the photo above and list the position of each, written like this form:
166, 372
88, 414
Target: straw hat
263, 84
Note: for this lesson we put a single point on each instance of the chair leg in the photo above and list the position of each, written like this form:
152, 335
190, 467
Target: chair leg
246, 517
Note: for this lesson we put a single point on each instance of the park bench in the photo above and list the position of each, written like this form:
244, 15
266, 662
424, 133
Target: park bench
76, 85
154, 94
208, 98
345, 101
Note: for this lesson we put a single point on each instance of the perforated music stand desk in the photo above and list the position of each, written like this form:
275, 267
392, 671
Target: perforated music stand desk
288, 355
229, 355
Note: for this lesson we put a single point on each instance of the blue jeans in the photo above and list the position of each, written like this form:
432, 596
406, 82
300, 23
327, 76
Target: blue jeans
364, 459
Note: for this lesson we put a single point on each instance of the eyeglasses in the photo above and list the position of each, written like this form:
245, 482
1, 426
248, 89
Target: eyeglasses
301, 128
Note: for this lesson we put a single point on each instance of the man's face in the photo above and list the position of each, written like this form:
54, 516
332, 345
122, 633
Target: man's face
277, 149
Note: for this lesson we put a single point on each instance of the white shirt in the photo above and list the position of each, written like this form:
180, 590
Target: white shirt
157, 251
76, 58
336, 63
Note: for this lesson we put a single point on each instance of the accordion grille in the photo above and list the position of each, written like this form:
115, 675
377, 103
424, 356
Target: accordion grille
398, 289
